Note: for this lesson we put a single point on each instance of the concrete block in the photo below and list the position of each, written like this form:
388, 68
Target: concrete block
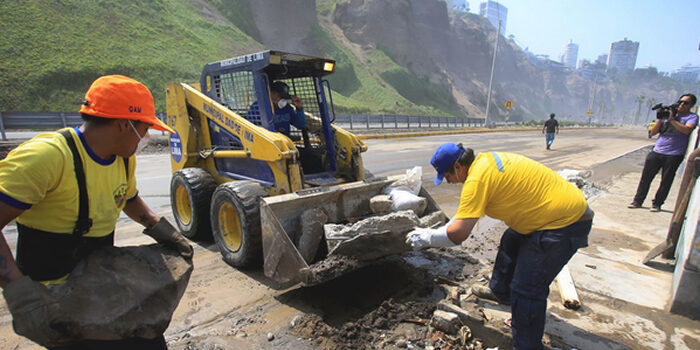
447, 322
372, 237
380, 204
312, 222
123, 292
463, 315
434, 218
684, 300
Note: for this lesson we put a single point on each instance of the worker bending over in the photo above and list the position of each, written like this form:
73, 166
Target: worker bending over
548, 220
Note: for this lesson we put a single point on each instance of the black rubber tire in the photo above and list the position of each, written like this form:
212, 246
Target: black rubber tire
200, 186
244, 196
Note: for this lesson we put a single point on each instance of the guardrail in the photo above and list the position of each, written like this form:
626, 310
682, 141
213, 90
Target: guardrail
58, 120
40, 121
368, 121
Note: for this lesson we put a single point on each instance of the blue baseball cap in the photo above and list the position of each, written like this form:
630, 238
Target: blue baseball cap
444, 156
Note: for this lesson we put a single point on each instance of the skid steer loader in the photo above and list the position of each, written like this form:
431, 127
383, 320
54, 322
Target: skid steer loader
237, 180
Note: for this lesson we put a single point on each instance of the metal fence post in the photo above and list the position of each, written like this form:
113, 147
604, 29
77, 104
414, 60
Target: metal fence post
430, 122
63, 119
408, 122
420, 122
463, 121
350, 121
382, 121
396, 122
2, 127
367, 115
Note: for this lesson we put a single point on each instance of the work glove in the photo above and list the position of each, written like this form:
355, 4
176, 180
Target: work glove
421, 238
164, 232
35, 312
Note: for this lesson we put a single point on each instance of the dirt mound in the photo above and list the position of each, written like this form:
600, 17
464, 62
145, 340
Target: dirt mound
372, 331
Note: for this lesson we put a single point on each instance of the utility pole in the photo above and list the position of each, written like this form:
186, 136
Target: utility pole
493, 65
592, 101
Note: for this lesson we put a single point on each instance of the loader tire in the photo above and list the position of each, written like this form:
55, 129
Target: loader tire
235, 222
190, 194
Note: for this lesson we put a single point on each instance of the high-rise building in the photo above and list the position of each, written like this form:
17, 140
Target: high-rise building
568, 57
458, 5
602, 59
623, 56
494, 12
686, 73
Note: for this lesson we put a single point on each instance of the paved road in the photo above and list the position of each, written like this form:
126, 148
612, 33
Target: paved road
218, 294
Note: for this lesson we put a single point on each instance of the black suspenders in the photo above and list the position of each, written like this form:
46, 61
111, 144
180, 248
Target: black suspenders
84, 223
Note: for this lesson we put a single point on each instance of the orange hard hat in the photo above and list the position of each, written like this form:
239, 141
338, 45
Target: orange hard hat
120, 97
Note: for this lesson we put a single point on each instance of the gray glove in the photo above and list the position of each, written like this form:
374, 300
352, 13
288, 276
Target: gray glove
164, 232
35, 312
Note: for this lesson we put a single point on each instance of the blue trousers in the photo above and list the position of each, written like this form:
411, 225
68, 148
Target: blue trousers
549, 138
525, 267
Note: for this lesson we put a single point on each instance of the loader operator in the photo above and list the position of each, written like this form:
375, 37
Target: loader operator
548, 220
284, 113
66, 190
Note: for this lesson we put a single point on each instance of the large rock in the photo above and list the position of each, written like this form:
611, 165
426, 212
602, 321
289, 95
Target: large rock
312, 221
373, 237
123, 292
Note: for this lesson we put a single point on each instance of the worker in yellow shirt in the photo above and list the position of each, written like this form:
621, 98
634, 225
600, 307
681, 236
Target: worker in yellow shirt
548, 220
65, 190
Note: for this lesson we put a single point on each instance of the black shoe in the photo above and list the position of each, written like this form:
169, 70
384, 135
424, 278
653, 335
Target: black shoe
655, 208
634, 205
484, 292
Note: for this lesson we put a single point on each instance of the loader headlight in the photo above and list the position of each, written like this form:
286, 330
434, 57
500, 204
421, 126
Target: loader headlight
328, 66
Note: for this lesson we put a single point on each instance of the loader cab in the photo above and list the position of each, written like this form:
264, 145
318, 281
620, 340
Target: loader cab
242, 84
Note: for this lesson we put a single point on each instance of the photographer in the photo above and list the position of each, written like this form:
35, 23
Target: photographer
674, 125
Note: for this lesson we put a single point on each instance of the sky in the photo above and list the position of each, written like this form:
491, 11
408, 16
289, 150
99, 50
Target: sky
668, 31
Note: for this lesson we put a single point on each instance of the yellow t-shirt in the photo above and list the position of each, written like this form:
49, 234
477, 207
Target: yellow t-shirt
525, 194
39, 176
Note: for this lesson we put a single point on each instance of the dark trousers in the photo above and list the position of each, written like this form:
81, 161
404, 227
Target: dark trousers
655, 162
124, 344
525, 267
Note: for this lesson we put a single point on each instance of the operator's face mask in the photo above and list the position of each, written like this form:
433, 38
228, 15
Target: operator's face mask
143, 140
282, 103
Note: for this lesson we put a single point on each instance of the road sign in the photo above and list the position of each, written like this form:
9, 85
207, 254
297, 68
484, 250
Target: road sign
590, 112
508, 104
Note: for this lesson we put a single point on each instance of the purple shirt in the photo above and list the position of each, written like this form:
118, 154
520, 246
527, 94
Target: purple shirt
672, 141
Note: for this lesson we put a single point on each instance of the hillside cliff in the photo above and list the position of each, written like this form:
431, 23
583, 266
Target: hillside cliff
394, 57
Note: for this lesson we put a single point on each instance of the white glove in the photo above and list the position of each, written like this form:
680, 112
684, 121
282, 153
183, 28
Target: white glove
421, 238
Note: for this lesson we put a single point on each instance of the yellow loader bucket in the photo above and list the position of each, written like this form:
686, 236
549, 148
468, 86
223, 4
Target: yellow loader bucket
280, 219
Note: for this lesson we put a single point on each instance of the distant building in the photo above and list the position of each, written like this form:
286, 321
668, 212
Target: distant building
602, 59
568, 57
494, 11
686, 73
623, 56
458, 5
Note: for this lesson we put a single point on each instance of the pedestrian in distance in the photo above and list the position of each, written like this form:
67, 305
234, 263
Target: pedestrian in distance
551, 127
548, 220
674, 129
66, 190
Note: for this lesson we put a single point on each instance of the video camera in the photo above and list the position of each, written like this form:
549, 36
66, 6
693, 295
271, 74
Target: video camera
663, 112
